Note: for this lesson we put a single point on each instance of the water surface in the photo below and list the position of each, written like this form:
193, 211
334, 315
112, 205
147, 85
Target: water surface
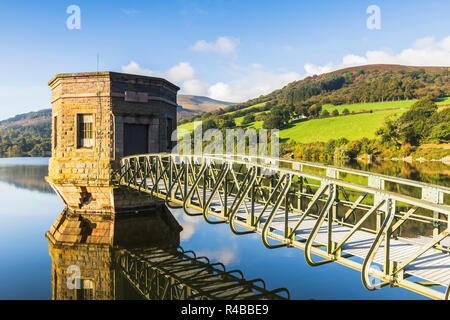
29, 208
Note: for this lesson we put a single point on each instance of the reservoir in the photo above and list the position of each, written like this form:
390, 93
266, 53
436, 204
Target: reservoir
30, 207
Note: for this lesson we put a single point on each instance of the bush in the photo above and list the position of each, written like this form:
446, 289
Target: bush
353, 148
440, 133
341, 153
406, 149
324, 114
249, 118
273, 122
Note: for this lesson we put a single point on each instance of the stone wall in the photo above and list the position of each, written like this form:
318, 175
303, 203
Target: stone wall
81, 176
81, 95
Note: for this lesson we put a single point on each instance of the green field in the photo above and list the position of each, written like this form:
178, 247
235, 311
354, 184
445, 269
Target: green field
190, 125
352, 127
370, 106
186, 126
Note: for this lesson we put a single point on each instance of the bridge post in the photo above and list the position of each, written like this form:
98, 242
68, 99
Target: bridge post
98, 118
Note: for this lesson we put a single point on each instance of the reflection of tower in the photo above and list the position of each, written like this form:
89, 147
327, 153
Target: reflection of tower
81, 272
83, 263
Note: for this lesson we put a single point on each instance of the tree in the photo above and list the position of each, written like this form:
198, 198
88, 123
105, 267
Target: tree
412, 127
226, 123
440, 133
324, 114
273, 122
314, 110
335, 113
345, 111
248, 118
209, 124
354, 148
261, 116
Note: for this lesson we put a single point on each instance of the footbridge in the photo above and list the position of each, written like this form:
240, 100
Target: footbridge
393, 231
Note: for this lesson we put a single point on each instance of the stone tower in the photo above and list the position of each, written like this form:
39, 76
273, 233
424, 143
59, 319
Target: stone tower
97, 118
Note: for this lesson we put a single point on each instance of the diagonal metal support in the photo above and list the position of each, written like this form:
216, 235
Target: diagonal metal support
309, 243
383, 232
282, 197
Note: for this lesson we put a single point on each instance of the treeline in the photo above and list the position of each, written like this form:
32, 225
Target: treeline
26, 141
422, 123
355, 85
24, 117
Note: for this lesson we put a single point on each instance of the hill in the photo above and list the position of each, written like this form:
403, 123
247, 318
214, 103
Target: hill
27, 134
365, 105
361, 84
27, 119
192, 105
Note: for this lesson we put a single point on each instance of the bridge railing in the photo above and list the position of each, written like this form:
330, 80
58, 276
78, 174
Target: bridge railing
426, 191
276, 197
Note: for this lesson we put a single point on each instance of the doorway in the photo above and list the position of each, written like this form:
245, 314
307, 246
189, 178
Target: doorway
135, 139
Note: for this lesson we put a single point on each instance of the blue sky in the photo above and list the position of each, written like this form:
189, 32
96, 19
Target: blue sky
229, 50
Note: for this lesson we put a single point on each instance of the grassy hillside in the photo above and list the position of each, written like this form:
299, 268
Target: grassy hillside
366, 120
351, 127
353, 86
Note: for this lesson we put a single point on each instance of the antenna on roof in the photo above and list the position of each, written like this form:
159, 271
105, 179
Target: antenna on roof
98, 62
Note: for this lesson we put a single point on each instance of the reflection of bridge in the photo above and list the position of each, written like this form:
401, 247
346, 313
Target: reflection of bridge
159, 274
291, 204
153, 272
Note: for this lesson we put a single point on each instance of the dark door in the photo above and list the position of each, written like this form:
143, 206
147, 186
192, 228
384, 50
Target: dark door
135, 139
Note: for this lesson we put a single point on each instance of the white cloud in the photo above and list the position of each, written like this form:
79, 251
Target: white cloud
134, 68
424, 52
181, 72
223, 45
251, 83
195, 87
178, 73
220, 91
224, 255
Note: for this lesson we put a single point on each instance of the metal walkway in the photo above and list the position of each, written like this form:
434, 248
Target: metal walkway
175, 274
400, 238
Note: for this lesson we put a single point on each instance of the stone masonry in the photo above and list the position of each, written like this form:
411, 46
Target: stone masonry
81, 175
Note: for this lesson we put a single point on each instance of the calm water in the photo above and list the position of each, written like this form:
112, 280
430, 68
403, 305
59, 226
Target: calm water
29, 208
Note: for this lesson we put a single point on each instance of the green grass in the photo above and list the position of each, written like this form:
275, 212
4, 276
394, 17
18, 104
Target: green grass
239, 119
370, 106
190, 125
442, 101
351, 127
186, 126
